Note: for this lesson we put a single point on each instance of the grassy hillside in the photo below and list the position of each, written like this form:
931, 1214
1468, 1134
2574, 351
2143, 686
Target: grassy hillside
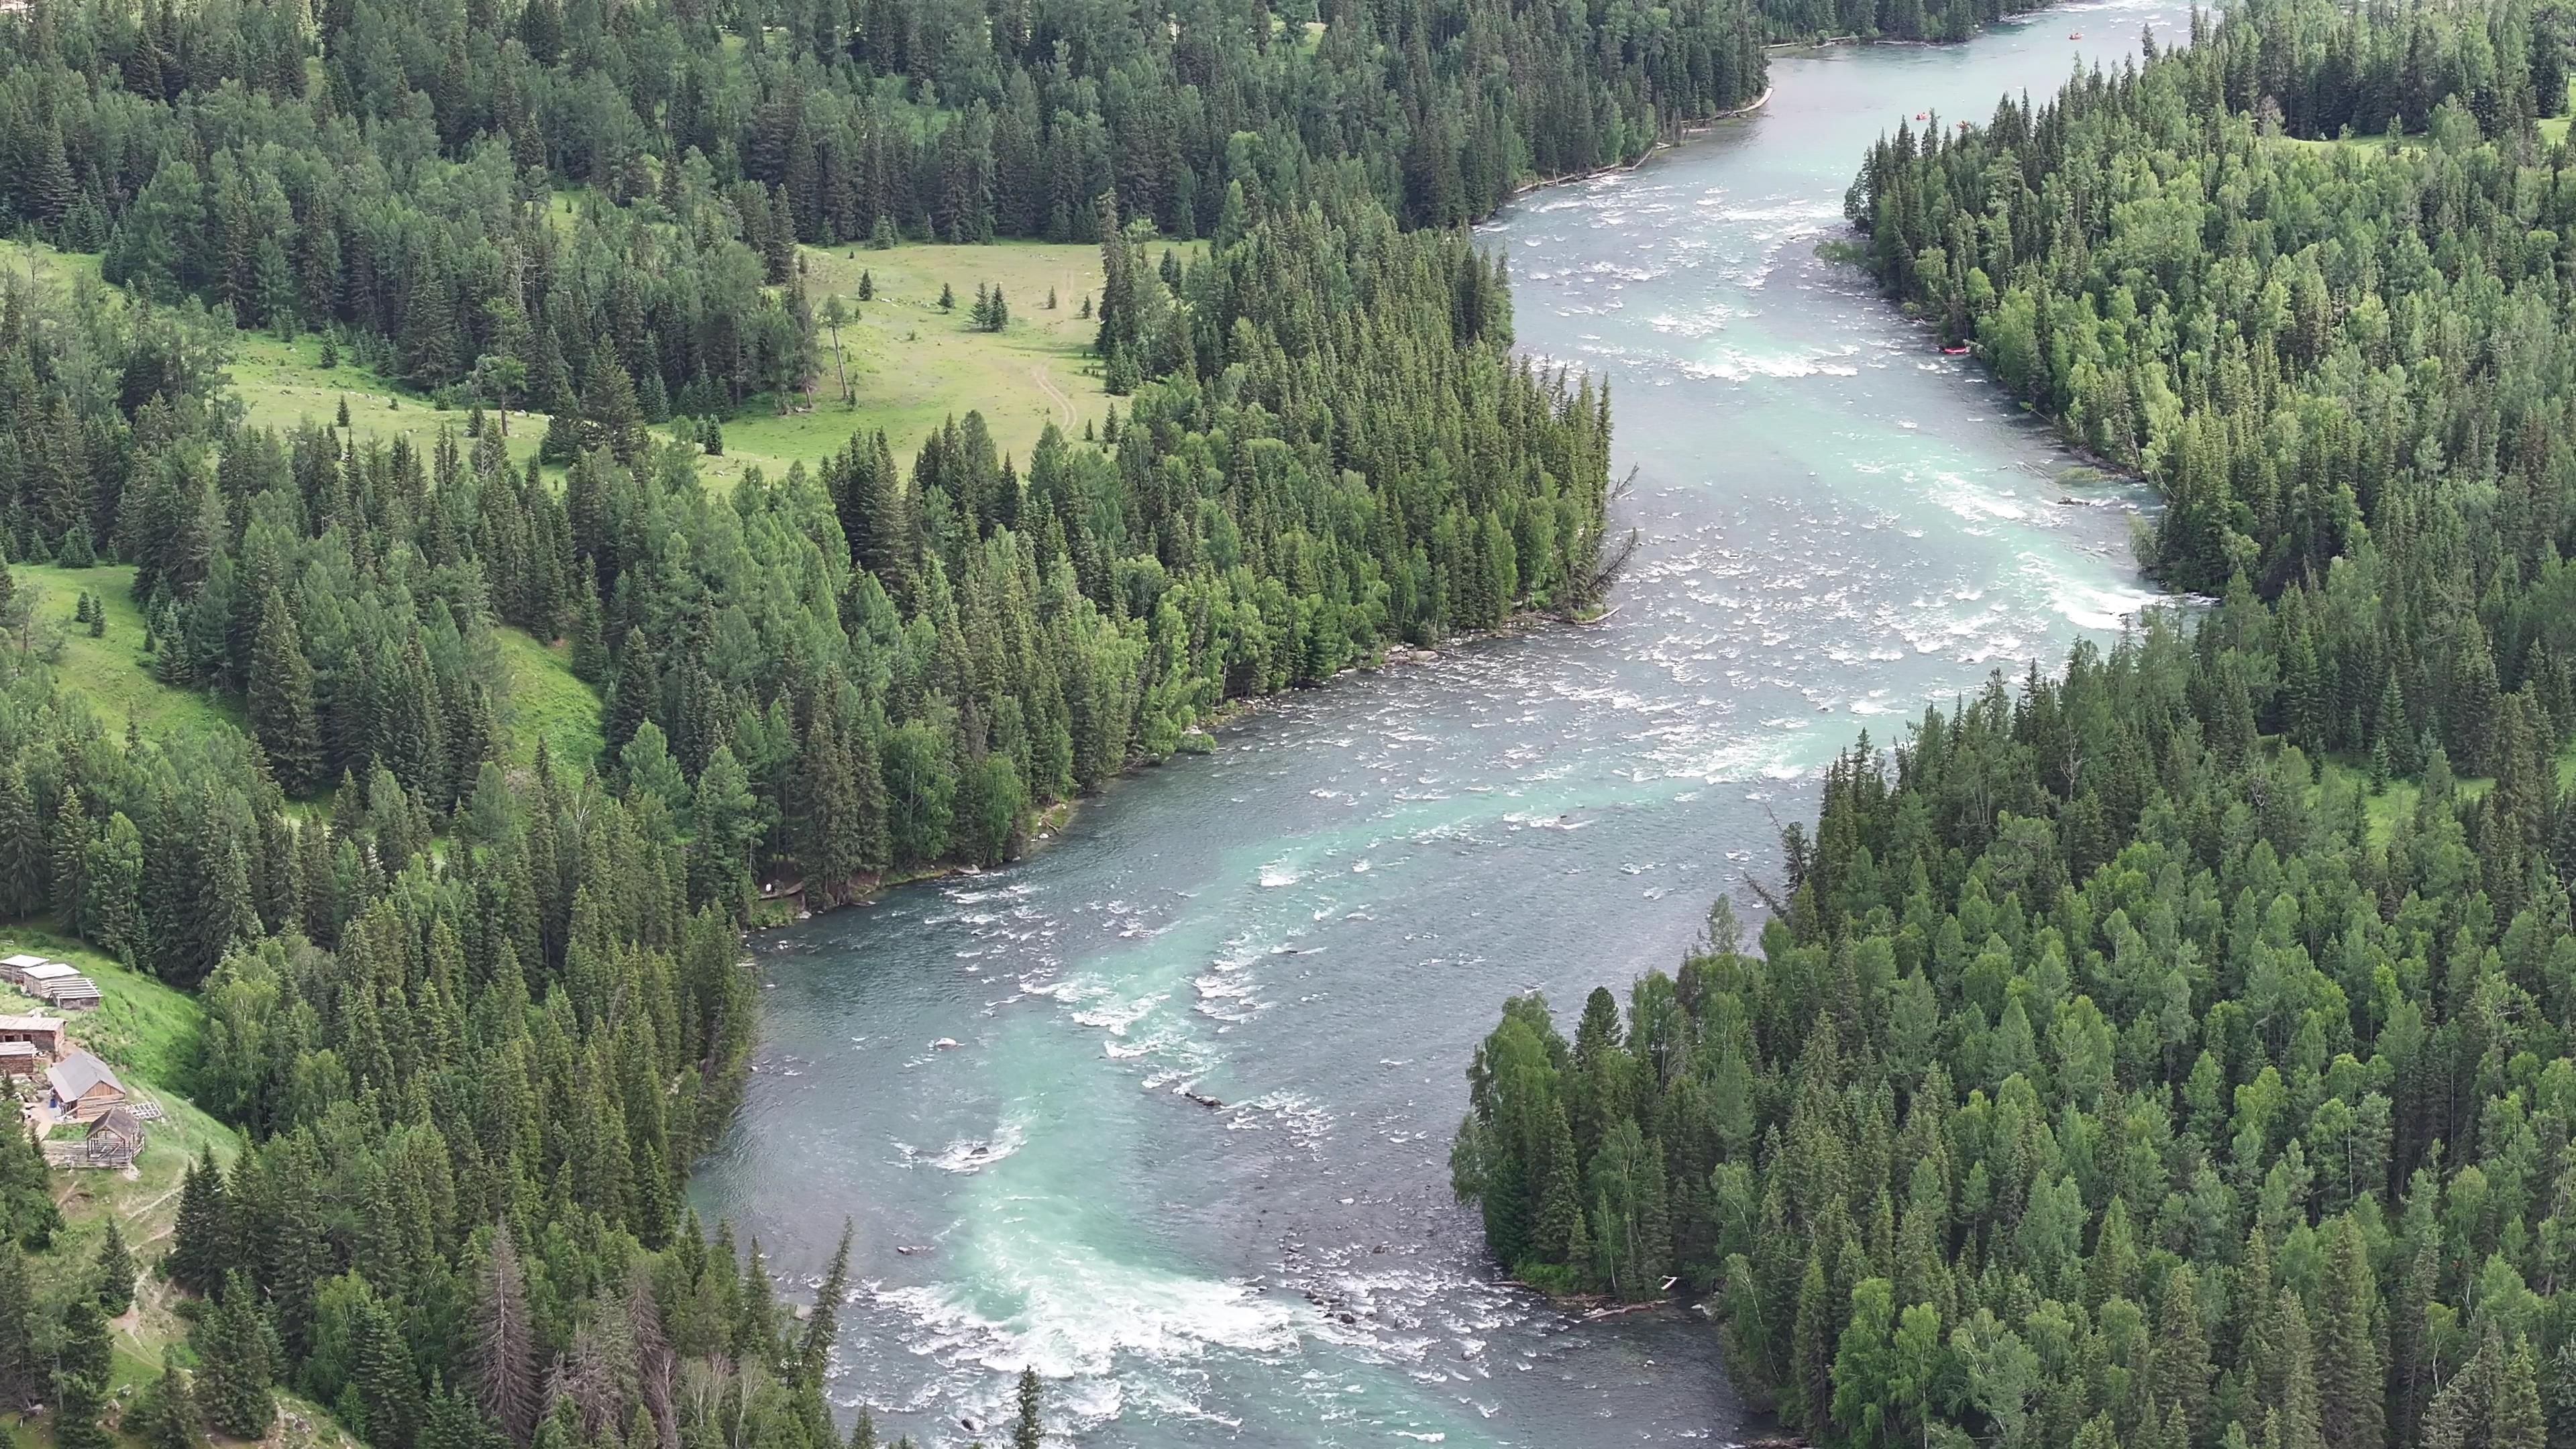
149, 1034
111, 671
546, 702
284, 383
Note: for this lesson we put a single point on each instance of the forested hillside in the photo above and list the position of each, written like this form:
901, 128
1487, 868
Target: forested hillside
473, 997
2116, 1067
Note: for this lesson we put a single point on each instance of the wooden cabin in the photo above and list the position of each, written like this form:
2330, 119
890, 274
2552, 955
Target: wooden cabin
83, 1088
19, 1059
72, 993
43, 1033
114, 1140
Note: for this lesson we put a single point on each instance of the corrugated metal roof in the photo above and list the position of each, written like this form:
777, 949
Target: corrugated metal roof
74, 1075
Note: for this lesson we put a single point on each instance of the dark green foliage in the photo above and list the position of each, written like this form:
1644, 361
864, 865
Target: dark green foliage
2285, 353
236, 1351
201, 1237
1026, 1430
281, 700
22, 1376
27, 1211
168, 1416
1902, 1138
81, 1366
115, 1272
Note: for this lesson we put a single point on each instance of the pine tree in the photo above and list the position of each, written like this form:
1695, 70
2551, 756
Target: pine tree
1026, 1432
168, 1416
2351, 1383
281, 700
237, 1363
115, 1272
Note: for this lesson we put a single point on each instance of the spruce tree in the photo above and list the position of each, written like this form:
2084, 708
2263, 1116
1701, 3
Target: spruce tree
281, 700
200, 1237
26, 866
2514, 1418
81, 1367
2351, 1385
612, 417
236, 1364
21, 1372
168, 1416
502, 1354
1026, 1432
115, 1272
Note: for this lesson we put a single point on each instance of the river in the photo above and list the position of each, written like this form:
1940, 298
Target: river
1316, 923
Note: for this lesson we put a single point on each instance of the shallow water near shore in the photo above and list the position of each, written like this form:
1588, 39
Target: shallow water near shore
1313, 926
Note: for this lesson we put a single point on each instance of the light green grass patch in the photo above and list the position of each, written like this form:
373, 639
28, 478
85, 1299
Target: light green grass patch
284, 383
111, 671
47, 266
914, 366
546, 701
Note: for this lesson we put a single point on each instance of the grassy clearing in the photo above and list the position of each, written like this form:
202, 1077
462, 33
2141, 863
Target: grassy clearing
913, 365
2553, 129
46, 265
547, 702
284, 383
111, 671
2397, 799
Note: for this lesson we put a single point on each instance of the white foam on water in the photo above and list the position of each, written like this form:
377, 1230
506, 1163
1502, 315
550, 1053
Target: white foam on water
2092, 606
976, 1154
1731, 365
1277, 874
1070, 1311
1972, 502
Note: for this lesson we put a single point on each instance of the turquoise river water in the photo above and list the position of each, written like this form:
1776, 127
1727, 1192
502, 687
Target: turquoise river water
1316, 923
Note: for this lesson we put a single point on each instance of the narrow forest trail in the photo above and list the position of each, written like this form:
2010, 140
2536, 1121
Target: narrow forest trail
1046, 384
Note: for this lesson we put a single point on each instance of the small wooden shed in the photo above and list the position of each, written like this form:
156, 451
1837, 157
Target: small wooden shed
114, 1140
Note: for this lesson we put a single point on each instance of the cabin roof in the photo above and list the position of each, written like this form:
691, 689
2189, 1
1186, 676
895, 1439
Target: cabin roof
74, 1075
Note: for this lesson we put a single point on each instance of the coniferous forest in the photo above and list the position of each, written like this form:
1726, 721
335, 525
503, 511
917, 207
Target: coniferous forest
2115, 1066
476, 1011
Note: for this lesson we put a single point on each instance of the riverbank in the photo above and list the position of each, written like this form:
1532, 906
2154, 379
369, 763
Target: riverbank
1049, 824
1688, 131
